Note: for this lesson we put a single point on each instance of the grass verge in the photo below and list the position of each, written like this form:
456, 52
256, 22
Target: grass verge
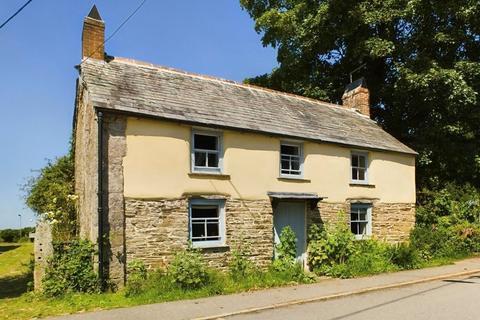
14, 276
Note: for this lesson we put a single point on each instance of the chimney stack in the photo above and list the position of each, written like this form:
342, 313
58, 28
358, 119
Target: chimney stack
93, 36
357, 96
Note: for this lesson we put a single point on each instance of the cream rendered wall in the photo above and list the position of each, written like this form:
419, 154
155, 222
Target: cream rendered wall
157, 165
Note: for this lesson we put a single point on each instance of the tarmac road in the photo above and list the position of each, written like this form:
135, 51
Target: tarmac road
452, 299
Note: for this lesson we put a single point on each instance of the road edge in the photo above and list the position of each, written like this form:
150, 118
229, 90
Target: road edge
338, 295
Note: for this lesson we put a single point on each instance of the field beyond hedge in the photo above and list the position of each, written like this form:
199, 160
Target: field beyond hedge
14, 277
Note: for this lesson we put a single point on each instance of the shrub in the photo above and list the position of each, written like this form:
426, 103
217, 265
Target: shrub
404, 255
285, 266
459, 202
188, 269
334, 245
286, 250
70, 269
367, 257
136, 276
240, 266
51, 195
446, 240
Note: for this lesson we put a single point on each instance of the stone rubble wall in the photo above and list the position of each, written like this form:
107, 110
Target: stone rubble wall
85, 149
86, 183
115, 148
156, 229
391, 222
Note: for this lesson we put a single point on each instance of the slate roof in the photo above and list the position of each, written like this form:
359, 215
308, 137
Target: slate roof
150, 90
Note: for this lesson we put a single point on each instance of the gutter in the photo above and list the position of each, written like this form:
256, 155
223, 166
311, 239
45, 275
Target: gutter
101, 275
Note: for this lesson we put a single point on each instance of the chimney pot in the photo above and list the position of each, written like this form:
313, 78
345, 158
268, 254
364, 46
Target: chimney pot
357, 96
93, 36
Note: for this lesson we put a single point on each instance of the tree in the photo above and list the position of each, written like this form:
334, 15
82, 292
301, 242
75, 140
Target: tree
51, 195
422, 66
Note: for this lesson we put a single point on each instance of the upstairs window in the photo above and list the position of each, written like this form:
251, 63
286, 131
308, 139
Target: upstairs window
206, 152
361, 220
207, 222
290, 159
359, 167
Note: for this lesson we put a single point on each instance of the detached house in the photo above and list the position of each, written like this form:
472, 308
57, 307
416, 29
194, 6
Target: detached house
165, 157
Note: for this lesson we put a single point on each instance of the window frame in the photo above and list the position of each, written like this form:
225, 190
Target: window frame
366, 168
300, 155
368, 220
219, 151
220, 204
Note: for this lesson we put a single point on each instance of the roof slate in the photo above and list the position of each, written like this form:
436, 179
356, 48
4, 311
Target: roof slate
150, 90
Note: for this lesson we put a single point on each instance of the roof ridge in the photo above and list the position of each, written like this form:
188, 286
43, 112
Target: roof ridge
231, 82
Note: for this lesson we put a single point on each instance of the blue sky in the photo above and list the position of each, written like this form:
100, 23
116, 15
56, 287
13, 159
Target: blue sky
40, 47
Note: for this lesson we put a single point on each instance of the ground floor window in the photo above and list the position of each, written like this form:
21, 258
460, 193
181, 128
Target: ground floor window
361, 219
207, 222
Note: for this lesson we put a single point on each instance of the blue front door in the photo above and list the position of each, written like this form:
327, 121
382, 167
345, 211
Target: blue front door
291, 214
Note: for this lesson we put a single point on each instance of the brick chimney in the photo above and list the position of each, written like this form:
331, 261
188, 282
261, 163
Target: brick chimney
357, 96
93, 36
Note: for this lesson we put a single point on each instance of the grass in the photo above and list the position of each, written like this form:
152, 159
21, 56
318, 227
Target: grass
14, 276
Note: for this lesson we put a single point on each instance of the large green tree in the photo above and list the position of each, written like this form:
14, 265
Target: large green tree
422, 66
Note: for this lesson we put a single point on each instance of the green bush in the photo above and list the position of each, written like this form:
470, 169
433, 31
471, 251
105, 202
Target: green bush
136, 276
51, 194
440, 241
287, 248
285, 266
70, 269
330, 246
461, 203
188, 269
404, 255
367, 257
240, 266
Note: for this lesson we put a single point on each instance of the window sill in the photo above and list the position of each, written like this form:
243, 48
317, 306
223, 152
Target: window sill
209, 175
293, 179
361, 184
212, 246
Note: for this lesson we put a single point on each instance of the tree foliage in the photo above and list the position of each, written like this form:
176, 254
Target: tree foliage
422, 65
51, 195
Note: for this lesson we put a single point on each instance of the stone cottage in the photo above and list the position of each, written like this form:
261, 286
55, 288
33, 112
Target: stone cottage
165, 157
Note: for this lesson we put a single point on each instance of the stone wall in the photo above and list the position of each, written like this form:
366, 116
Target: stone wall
155, 229
391, 222
85, 149
86, 182
114, 144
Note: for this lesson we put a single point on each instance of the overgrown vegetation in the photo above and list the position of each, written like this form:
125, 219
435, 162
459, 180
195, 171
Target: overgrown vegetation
70, 269
188, 274
51, 195
447, 228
